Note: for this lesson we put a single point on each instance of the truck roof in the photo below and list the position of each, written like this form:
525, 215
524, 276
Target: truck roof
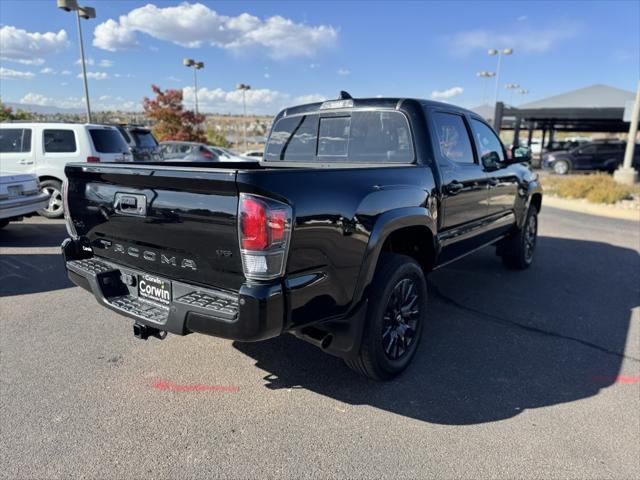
375, 102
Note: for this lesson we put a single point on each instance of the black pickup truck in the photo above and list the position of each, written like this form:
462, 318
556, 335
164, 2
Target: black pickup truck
329, 237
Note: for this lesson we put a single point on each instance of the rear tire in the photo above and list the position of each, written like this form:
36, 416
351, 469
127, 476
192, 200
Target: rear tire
561, 167
55, 208
4, 223
395, 317
517, 250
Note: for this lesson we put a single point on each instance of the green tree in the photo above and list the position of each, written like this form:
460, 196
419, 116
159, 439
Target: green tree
216, 138
171, 120
7, 114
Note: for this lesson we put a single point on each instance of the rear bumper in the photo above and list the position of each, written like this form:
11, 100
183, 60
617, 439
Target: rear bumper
23, 205
254, 313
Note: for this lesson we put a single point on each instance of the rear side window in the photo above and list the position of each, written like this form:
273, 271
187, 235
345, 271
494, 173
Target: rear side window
108, 140
59, 141
144, 139
358, 137
293, 139
15, 140
453, 138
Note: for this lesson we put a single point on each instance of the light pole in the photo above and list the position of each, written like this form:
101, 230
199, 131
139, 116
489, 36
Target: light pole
243, 87
86, 13
485, 75
523, 91
190, 63
499, 53
511, 87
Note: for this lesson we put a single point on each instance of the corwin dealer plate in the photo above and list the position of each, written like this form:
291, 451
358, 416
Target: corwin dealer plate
155, 289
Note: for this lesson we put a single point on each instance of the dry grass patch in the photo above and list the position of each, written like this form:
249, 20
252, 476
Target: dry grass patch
596, 188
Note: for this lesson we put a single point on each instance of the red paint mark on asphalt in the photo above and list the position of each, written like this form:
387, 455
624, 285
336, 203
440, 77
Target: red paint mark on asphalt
617, 379
165, 385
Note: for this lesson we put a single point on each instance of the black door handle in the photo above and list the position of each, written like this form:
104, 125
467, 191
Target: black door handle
454, 187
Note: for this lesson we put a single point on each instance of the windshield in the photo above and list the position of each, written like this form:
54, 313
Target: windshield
108, 140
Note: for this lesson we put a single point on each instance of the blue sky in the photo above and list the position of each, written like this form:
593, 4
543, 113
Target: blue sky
291, 52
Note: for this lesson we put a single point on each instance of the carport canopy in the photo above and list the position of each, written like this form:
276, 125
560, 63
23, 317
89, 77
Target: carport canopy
598, 108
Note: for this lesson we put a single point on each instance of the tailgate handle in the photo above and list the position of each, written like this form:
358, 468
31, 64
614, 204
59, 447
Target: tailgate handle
130, 204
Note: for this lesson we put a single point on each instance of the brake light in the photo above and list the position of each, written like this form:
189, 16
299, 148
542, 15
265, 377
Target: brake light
264, 227
93, 159
207, 154
253, 224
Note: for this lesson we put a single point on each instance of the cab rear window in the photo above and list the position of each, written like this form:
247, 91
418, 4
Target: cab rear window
352, 137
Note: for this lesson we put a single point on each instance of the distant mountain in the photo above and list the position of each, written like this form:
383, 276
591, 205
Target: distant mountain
42, 109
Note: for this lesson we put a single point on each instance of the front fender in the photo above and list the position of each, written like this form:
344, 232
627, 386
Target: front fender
386, 224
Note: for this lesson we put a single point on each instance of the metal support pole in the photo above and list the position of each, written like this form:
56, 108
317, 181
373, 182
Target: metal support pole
84, 68
495, 101
516, 132
244, 107
626, 174
531, 127
195, 83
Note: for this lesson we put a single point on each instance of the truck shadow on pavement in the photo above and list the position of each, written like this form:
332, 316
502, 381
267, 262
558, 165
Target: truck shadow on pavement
22, 272
497, 342
44, 233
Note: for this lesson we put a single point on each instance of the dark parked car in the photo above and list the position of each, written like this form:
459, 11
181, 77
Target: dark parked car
144, 147
601, 156
188, 152
329, 238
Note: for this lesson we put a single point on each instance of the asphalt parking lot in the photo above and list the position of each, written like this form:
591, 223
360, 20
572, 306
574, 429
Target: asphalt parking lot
530, 374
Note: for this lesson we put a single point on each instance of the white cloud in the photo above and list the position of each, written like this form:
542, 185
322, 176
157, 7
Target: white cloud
28, 48
523, 40
267, 75
95, 75
196, 25
105, 102
522, 18
171, 78
260, 100
36, 99
9, 74
311, 98
106, 63
314, 65
344, 71
88, 61
48, 71
65, 72
446, 94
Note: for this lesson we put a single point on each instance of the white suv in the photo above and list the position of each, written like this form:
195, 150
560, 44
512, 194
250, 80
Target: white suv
44, 149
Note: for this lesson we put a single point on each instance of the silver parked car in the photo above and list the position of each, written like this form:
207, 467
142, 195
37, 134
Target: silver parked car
20, 195
174, 151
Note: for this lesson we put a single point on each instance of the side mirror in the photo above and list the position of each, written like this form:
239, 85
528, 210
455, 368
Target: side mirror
491, 161
521, 154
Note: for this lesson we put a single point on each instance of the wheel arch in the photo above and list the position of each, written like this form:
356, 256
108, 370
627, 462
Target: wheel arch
409, 231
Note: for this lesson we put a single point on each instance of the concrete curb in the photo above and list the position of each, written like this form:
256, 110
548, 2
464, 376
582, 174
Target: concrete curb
583, 206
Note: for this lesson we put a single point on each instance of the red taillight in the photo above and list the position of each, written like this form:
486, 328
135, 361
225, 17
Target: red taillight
93, 159
253, 224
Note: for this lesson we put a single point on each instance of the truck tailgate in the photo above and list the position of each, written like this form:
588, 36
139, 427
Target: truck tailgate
177, 223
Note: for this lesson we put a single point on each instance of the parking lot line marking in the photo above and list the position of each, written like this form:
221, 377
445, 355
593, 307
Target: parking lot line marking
618, 379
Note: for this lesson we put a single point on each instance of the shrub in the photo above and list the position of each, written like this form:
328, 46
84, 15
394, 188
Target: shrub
596, 188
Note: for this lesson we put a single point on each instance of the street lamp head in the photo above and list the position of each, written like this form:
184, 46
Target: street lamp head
67, 5
242, 86
188, 62
87, 12
492, 51
199, 65
507, 51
